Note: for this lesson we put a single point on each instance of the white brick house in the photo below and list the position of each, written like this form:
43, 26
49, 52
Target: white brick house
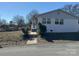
59, 21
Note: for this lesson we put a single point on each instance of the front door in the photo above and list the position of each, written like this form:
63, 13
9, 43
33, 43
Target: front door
34, 28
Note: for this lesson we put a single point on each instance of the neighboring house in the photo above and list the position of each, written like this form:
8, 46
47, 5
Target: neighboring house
59, 21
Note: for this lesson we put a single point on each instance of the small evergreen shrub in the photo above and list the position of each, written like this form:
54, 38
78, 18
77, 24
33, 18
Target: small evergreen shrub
42, 29
25, 31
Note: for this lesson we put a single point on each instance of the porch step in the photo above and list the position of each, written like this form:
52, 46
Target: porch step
33, 41
33, 33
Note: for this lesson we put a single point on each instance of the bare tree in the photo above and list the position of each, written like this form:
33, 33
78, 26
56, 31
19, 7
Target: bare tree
0, 21
3, 25
4, 22
73, 9
11, 23
68, 8
19, 20
32, 17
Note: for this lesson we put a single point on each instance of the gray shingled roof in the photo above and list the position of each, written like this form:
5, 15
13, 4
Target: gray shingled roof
60, 11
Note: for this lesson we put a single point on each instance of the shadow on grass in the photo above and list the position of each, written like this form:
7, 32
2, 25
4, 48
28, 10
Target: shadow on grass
25, 37
28, 37
47, 39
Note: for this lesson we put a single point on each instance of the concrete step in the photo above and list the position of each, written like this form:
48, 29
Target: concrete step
33, 41
33, 33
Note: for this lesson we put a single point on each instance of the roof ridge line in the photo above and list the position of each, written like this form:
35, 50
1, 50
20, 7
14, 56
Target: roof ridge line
59, 10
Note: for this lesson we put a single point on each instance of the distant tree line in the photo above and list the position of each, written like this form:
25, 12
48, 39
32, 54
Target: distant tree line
17, 23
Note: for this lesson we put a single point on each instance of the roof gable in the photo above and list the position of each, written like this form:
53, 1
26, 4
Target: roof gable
59, 10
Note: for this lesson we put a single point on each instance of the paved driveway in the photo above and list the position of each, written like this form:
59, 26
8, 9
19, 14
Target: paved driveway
59, 49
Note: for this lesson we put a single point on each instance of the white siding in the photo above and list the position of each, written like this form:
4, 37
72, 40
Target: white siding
70, 23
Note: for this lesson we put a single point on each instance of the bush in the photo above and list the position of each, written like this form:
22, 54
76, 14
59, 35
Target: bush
42, 29
25, 31
1, 46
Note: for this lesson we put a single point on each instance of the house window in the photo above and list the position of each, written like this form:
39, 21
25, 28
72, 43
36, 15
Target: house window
61, 21
44, 20
51, 30
48, 21
56, 21
34, 30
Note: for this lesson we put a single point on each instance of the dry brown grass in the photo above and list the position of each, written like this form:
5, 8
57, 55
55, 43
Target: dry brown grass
14, 38
11, 39
9, 36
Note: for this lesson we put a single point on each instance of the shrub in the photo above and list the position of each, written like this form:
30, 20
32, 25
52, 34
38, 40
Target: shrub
42, 29
25, 31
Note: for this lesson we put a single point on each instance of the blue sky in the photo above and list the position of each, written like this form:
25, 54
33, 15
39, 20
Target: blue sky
10, 9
